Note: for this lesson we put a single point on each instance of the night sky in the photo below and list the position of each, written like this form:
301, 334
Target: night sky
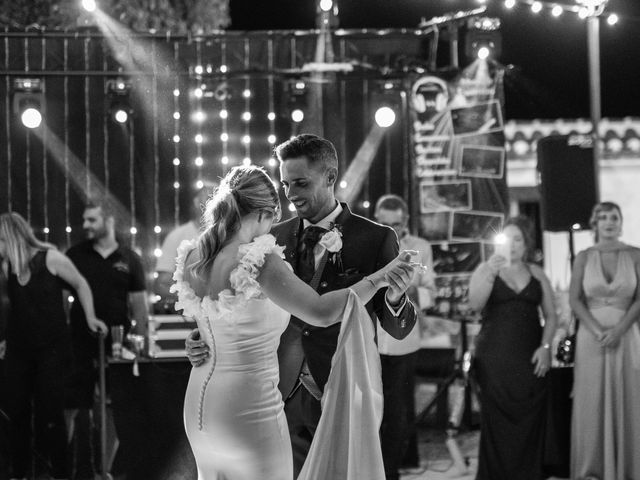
549, 55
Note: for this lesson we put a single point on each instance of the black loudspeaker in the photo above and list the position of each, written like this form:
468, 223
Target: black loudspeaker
567, 181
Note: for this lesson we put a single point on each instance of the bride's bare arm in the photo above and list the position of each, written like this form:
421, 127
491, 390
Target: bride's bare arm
286, 290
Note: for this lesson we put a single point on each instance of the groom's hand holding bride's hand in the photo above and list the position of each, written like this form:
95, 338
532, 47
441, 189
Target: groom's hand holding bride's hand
197, 349
398, 275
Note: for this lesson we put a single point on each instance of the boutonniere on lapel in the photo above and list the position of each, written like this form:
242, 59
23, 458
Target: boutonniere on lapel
332, 242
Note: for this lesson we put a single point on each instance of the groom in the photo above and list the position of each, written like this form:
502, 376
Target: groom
309, 171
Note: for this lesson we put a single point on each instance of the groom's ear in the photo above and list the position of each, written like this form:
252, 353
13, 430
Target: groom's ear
332, 176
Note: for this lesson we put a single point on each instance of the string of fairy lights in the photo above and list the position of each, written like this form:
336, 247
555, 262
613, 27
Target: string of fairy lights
192, 144
582, 8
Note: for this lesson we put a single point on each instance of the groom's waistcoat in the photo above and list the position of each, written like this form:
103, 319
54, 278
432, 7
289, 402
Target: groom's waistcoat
367, 246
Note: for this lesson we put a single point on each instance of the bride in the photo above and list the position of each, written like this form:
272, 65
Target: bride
234, 282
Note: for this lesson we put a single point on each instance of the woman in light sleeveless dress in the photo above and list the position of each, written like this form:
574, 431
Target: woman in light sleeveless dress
605, 296
241, 292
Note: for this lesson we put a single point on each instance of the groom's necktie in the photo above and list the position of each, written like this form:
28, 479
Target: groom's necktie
308, 241
306, 268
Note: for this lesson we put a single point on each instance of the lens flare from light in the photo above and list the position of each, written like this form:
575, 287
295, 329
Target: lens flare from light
31, 118
385, 117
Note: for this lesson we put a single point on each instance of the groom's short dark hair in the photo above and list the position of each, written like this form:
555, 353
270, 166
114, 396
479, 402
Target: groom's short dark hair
318, 150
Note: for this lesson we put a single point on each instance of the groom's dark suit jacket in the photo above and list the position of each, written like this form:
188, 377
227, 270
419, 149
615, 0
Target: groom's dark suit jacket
367, 246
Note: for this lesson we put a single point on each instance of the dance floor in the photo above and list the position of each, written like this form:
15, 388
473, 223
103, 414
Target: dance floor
435, 461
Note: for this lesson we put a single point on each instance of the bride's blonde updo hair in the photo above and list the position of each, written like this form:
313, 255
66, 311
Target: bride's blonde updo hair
244, 190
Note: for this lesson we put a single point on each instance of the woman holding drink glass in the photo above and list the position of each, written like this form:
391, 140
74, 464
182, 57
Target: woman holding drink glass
512, 356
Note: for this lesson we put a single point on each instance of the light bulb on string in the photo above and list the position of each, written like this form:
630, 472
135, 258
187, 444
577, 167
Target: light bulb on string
557, 10
536, 7
612, 19
510, 4
297, 115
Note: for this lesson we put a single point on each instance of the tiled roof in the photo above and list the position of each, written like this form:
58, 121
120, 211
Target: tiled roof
618, 136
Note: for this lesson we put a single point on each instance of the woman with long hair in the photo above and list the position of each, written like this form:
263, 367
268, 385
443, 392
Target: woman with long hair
236, 284
38, 347
512, 356
605, 296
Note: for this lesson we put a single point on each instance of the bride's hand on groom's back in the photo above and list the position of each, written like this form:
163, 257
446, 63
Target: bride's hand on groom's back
197, 350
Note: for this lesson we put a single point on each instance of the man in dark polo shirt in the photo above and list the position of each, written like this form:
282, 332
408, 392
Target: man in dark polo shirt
116, 277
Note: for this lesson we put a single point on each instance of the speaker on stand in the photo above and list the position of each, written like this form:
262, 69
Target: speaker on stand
568, 192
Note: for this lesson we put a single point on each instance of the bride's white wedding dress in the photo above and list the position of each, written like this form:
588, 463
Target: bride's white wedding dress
233, 410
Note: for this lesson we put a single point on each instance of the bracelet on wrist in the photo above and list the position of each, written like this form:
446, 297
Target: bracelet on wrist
546, 346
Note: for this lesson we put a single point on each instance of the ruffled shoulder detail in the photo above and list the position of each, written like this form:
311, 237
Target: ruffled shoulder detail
252, 256
188, 301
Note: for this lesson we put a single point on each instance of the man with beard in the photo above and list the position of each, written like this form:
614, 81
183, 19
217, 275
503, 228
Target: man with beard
116, 277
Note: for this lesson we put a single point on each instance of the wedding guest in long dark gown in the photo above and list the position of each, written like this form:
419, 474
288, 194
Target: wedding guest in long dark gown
38, 345
512, 357
605, 296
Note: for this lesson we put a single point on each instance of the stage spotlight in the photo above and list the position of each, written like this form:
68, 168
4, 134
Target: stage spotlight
482, 39
385, 117
121, 115
89, 5
295, 96
31, 117
326, 5
297, 115
483, 53
118, 100
27, 101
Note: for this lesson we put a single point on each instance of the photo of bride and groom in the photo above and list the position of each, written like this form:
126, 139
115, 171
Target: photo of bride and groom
286, 379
